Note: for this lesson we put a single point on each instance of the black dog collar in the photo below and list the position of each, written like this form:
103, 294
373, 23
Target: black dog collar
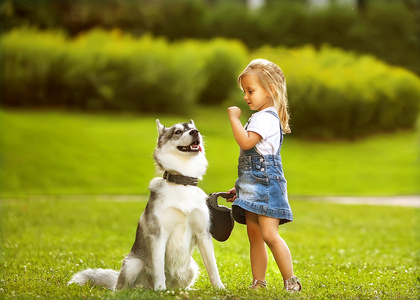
180, 179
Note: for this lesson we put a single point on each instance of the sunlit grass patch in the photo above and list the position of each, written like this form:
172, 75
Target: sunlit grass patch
338, 251
70, 153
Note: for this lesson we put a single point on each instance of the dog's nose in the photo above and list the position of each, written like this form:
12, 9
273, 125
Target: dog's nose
194, 132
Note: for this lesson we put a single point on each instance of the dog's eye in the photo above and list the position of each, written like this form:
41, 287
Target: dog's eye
178, 132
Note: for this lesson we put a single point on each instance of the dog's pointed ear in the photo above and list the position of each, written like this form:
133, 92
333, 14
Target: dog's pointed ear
160, 127
192, 122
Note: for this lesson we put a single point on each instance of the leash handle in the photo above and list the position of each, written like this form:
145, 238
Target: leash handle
213, 203
221, 219
224, 195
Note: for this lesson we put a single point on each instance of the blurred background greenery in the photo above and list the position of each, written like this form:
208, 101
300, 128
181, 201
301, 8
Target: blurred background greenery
82, 82
352, 69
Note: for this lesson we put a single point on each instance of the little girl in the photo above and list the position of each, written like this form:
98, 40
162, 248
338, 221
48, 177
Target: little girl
260, 191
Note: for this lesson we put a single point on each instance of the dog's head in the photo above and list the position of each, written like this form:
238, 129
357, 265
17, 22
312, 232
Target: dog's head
183, 136
180, 149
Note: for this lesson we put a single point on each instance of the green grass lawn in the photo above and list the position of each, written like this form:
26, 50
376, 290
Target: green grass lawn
341, 252
53, 153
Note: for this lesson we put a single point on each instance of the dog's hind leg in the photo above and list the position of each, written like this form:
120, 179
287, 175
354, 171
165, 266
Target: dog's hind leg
129, 272
184, 277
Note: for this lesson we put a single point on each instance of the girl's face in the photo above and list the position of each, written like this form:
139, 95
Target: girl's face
256, 96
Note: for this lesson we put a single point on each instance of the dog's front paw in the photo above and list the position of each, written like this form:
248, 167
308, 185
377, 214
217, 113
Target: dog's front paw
220, 286
160, 287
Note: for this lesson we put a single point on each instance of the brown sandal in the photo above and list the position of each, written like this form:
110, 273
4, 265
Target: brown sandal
258, 284
292, 284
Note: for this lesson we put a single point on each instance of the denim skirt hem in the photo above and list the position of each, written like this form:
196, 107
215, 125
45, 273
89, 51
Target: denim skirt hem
240, 206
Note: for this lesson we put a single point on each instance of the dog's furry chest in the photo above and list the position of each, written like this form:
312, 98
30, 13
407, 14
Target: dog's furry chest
180, 209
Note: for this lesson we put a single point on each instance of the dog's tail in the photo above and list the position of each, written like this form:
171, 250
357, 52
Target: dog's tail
97, 277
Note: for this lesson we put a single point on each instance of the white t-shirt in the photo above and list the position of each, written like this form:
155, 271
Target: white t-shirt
268, 127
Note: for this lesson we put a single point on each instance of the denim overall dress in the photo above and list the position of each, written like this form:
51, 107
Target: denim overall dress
261, 187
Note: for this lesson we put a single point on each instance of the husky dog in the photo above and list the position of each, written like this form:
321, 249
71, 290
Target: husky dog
175, 220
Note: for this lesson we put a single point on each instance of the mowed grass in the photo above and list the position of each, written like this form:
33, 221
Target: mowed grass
53, 153
339, 252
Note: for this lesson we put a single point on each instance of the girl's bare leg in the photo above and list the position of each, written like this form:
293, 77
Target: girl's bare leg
258, 251
270, 235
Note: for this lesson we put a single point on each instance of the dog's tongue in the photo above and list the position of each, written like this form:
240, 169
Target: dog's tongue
195, 147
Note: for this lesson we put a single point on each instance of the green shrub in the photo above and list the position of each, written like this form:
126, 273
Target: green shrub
224, 61
233, 20
176, 19
287, 24
111, 71
31, 67
333, 93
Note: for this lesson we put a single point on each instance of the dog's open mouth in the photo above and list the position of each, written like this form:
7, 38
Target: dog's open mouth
194, 147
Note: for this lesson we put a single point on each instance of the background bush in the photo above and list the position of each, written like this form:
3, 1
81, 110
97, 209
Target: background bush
389, 30
32, 65
116, 72
332, 93
223, 63
112, 71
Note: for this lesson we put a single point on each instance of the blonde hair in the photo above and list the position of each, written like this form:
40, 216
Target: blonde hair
272, 79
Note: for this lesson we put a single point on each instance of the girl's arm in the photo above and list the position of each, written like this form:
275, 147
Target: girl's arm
245, 139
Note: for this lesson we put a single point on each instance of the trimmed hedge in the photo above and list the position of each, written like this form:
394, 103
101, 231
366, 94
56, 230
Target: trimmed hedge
332, 93
112, 71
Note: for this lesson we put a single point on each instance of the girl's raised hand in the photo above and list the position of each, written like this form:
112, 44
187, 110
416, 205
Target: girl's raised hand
234, 112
